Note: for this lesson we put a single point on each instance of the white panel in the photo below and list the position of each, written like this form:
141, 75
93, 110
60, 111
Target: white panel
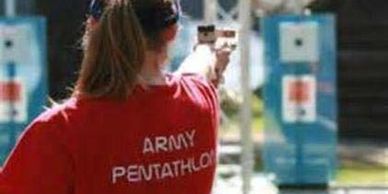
15, 44
299, 42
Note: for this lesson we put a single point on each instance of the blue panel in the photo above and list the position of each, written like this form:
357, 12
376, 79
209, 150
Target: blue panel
22, 61
301, 151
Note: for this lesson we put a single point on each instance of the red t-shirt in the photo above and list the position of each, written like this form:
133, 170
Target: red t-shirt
162, 140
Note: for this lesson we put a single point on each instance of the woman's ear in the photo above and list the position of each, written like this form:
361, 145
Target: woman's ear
170, 33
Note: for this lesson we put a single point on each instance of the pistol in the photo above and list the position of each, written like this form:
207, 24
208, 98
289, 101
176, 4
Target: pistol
217, 38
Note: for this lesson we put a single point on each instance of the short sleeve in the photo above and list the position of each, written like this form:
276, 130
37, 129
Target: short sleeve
210, 93
39, 164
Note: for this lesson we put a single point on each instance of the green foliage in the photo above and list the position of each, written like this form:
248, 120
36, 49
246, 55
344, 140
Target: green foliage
359, 173
231, 103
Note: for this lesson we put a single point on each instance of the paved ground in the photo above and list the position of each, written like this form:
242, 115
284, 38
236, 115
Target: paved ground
339, 191
261, 185
366, 151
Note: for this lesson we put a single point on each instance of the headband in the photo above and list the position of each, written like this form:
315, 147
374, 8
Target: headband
160, 15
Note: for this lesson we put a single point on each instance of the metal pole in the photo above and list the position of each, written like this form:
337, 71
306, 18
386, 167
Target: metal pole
300, 6
247, 160
210, 11
10, 8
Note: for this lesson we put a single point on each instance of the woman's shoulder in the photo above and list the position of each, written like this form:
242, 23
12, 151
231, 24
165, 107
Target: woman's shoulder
57, 112
62, 113
51, 123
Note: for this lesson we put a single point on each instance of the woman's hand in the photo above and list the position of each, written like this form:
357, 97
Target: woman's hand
207, 62
222, 61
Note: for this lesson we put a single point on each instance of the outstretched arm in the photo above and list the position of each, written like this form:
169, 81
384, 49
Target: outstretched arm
206, 62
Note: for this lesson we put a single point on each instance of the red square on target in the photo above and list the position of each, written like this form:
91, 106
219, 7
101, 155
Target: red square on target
299, 92
10, 91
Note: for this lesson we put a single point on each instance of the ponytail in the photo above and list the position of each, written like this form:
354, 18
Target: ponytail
118, 34
114, 53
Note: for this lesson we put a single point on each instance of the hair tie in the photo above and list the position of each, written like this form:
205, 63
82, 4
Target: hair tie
171, 13
96, 9
160, 15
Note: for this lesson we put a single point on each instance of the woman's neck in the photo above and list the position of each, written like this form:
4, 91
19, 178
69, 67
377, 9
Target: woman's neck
152, 72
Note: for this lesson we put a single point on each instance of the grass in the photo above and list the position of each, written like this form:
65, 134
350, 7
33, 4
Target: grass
231, 127
358, 173
257, 108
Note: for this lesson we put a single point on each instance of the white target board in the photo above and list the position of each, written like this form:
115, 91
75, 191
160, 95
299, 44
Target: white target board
299, 42
16, 44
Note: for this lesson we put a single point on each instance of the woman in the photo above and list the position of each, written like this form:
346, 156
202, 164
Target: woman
130, 127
